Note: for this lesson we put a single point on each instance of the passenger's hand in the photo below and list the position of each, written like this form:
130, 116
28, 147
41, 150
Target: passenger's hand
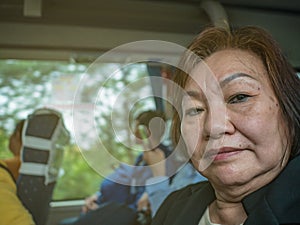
156, 160
90, 204
143, 203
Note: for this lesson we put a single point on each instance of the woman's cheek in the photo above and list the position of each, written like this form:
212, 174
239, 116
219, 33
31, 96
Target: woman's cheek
191, 135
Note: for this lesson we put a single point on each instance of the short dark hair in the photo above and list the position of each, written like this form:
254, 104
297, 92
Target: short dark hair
146, 117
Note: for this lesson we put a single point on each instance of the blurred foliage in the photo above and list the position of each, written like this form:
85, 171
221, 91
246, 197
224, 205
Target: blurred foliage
26, 85
77, 179
4, 151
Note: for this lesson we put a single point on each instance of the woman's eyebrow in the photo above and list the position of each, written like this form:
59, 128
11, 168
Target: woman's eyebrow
193, 94
234, 76
197, 95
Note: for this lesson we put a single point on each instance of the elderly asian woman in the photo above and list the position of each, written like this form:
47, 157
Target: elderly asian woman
238, 117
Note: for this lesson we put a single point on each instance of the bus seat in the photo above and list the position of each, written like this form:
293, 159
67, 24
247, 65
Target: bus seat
44, 136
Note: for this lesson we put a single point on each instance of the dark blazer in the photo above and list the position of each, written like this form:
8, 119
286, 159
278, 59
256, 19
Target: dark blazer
277, 203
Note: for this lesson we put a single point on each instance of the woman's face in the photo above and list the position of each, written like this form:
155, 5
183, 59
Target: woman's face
231, 121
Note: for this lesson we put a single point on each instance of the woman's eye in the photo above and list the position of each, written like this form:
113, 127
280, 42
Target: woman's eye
239, 98
193, 111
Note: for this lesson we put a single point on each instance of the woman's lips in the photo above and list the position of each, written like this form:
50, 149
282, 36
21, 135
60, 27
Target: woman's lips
222, 153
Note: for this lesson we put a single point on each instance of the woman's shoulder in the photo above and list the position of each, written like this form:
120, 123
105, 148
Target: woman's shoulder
6, 178
184, 200
2, 162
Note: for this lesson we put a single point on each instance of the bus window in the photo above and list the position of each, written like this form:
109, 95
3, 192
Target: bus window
26, 85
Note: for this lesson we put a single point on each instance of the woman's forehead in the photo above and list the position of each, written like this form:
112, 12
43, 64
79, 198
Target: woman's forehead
224, 63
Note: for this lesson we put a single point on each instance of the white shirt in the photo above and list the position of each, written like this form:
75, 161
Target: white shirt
205, 219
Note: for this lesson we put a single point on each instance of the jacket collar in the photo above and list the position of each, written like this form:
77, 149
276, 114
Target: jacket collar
279, 201
195, 204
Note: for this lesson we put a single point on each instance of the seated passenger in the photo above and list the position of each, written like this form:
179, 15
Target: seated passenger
11, 208
126, 184
143, 200
15, 145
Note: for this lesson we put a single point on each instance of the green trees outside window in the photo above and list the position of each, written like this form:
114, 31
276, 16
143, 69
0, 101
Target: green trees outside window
26, 85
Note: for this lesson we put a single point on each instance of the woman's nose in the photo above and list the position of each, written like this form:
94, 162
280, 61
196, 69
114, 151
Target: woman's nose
217, 122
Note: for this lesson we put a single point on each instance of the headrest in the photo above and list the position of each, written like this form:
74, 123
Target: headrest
43, 137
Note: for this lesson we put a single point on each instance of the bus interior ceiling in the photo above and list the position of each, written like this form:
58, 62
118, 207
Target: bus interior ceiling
60, 29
